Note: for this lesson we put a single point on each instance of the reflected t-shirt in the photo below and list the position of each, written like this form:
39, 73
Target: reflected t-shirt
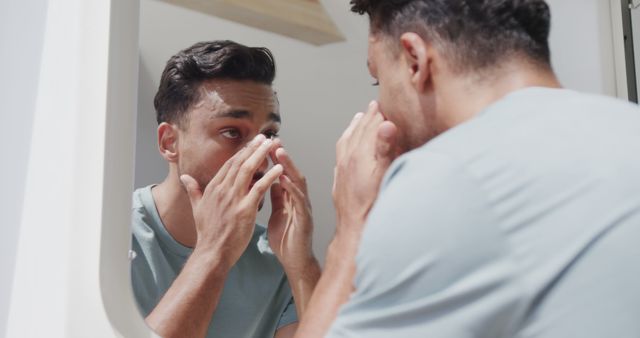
256, 299
522, 222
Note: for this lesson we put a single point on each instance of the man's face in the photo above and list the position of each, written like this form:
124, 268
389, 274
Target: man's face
229, 114
399, 100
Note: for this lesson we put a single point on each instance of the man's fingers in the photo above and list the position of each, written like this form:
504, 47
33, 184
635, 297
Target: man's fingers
193, 190
367, 122
277, 196
262, 185
354, 123
347, 135
241, 156
370, 123
387, 131
297, 194
386, 142
290, 168
277, 144
250, 166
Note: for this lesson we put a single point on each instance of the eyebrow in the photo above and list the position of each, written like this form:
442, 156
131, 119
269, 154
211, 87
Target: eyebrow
275, 117
245, 114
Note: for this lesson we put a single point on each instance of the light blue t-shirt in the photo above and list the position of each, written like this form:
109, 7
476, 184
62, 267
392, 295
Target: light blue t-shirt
256, 299
522, 222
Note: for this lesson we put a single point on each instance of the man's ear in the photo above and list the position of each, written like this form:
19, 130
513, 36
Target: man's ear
168, 141
416, 53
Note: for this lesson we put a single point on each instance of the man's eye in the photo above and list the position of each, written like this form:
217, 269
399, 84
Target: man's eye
230, 134
375, 84
270, 134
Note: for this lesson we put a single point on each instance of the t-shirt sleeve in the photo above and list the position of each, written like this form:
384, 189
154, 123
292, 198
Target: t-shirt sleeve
432, 259
289, 315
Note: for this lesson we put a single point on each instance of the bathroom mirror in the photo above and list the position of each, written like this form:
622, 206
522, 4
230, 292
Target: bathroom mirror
84, 60
322, 83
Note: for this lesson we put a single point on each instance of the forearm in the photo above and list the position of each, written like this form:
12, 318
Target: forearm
186, 308
303, 283
333, 289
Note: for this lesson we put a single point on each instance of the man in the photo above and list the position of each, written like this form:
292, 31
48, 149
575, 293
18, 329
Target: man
203, 268
515, 209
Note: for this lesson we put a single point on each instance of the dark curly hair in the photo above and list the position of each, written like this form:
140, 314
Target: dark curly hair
474, 34
187, 70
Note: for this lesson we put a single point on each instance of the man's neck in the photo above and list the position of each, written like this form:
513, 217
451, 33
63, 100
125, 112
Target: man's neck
172, 203
462, 98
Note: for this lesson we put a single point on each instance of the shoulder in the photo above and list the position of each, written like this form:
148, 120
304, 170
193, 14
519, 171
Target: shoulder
142, 220
432, 243
430, 211
421, 168
431, 192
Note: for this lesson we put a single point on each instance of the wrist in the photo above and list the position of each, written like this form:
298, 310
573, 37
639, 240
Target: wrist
349, 225
344, 247
301, 264
211, 260
340, 262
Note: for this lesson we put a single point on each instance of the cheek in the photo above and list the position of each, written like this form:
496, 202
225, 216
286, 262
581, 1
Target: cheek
204, 160
392, 102
397, 106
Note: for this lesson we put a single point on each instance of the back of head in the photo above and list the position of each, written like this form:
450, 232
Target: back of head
473, 34
206, 61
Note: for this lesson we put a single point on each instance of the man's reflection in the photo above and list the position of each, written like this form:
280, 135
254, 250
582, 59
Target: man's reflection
203, 267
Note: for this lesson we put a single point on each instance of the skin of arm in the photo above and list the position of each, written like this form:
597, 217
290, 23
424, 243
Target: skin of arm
287, 331
224, 215
363, 154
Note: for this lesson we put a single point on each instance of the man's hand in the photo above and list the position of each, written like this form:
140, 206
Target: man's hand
363, 154
225, 212
224, 215
290, 229
291, 223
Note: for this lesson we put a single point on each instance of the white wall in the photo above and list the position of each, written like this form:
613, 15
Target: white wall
581, 45
20, 55
322, 87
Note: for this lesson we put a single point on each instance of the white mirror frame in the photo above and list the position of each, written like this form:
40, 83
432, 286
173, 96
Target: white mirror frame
72, 271
620, 49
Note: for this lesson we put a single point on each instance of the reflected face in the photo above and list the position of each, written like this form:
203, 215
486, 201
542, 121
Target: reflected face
229, 114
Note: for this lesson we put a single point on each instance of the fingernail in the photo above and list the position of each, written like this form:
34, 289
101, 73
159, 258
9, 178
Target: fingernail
183, 180
267, 142
386, 132
259, 138
372, 103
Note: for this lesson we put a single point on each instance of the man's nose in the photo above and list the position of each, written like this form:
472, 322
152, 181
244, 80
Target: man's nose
265, 164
